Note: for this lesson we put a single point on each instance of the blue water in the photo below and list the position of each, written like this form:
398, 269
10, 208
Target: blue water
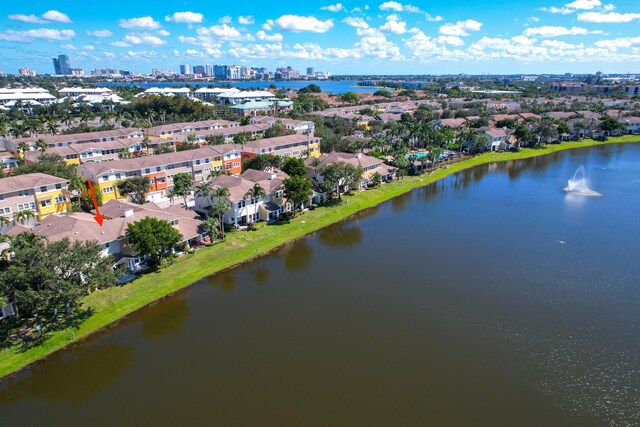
332, 86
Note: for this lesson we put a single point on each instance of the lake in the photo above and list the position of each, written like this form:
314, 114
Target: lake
490, 298
332, 86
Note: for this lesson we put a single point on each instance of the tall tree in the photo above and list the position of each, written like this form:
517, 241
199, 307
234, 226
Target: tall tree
294, 167
182, 185
154, 238
298, 190
135, 187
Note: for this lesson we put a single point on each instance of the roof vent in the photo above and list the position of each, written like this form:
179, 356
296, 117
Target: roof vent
127, 213
358, 155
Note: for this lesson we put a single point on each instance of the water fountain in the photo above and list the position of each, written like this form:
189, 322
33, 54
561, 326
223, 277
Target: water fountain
579, 184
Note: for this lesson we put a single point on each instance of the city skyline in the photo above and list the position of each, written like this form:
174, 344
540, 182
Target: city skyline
581, 36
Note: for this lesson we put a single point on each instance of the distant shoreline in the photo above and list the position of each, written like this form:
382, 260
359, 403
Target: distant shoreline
114, 304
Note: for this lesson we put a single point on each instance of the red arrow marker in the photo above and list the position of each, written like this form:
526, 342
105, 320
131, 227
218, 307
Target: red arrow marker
98, 217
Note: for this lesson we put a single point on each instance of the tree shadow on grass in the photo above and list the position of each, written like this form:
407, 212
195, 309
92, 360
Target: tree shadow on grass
24, 335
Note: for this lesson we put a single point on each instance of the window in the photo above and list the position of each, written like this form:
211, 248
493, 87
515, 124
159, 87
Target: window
107, 190
147, 170
236, 164
1, 197
58, 186
46, 202
118, 176
26, 206
23, 193
106, 245
6, 210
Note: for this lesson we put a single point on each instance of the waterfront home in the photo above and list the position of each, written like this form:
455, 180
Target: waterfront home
245, 208
166, 91
35, 95
631, 124
39, 193
111, 236
252, 108
370, 166
499, 139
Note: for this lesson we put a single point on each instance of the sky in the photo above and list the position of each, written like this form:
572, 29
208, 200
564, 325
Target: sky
347, 37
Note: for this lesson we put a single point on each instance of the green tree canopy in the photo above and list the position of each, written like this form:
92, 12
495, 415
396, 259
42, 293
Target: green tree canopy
293, 166
44, 277
298, 190
262, 162
154, 238
135, 187
182, 185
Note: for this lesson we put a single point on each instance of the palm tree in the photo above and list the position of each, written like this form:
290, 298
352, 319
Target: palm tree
67, 120
221, 205
23, 217
23, 147
105, 117
16, 129
77, 184
86, 116
4, 221
41, 145
146, 143
211, 226
52, 127
255, 192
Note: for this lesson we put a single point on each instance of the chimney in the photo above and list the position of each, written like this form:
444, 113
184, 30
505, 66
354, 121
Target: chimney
127, 213
272, 176
358, 155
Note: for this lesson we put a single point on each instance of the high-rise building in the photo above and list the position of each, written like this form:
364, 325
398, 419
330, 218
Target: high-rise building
185, 69
27, 72
199, 69
61, 64
208, 70
220, 71
310, 71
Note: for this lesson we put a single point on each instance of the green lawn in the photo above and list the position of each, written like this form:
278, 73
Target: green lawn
112, 304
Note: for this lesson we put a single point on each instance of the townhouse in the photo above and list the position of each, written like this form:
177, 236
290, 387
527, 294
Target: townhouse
499, 139
370, 165
111, 236
8, 161
228, 133
38, 192
166, 131
298, 126
159, 168
103, 151
244, 208
228, 158
76, 138
631, 124
286, 146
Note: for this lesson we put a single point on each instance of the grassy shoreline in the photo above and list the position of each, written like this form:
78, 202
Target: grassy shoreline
112, 305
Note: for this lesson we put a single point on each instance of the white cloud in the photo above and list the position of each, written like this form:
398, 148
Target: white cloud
583, 4
56, 16
460, 28
556, 31
246, 20
223, 31
608, 18
30, 19
333, 7
109, 54
185, 18
147, 39
100, 33
451, 40
38, 34
163, 33
120, 44
392, 5
225, 20
562, 10
141, 54
144, 23
261, 35
557, 44
89, 47
622, 42
393, 25
68, 46
297, 24
356, 22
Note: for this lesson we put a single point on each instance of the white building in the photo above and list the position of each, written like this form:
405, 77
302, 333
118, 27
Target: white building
34, 94
79, 91
167, 91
